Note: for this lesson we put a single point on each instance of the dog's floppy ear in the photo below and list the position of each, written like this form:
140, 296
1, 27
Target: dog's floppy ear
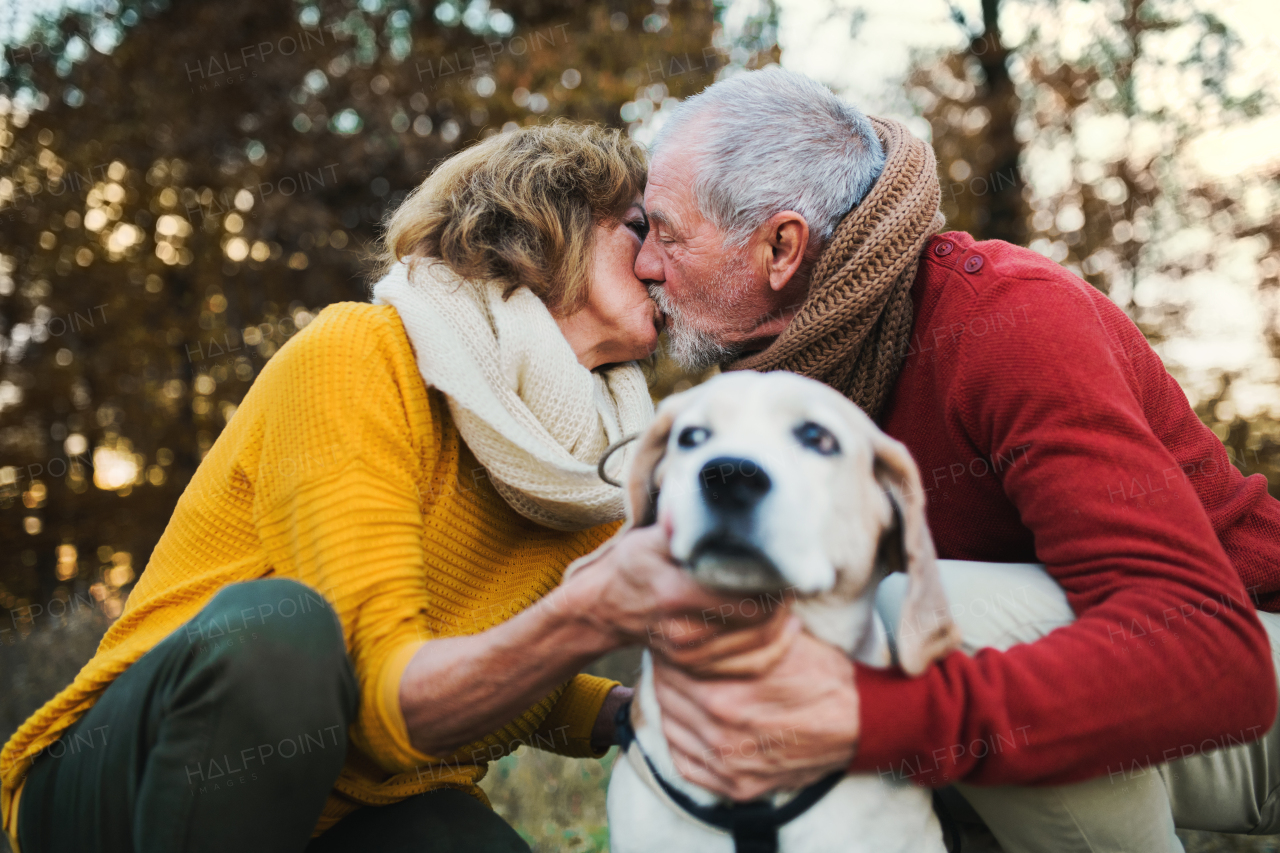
642, 479
925, 630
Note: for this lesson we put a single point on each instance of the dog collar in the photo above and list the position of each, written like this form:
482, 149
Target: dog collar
754, 825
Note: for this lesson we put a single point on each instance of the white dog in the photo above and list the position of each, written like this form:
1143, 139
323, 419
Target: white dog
776, 483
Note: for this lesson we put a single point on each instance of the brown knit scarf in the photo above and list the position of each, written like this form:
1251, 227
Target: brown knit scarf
853, 329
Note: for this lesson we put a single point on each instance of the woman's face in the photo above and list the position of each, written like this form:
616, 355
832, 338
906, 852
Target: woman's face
619, 322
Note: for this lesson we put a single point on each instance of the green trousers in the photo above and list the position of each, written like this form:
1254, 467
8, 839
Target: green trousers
221, 739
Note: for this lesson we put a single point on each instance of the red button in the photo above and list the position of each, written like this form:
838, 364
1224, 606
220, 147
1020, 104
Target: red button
944, 248
973, 264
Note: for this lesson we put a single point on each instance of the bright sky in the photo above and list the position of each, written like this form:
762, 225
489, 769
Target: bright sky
1226, 322
16, 15
868, 70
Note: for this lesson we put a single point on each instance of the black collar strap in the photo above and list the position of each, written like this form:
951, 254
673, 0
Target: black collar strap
754, 825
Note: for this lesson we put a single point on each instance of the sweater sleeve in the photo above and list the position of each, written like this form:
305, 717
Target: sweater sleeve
567, 728
1245, 516
1166, 651
337, 505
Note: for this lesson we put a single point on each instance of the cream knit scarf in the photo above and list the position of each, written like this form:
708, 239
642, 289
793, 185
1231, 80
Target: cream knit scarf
536, 419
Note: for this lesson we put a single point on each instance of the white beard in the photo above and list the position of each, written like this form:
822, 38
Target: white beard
696, 349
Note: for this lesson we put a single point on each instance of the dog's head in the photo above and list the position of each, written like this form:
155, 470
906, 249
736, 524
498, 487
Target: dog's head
774, 481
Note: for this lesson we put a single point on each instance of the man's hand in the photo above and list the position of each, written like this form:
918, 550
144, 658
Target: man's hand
634, 594
782, 729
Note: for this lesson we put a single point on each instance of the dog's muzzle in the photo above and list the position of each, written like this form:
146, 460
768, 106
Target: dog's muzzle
727, 555
733, 486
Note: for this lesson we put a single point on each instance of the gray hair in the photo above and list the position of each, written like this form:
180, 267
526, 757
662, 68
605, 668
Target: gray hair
774, 140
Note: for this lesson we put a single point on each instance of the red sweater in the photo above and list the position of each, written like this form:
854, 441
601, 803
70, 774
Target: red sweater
1047, 430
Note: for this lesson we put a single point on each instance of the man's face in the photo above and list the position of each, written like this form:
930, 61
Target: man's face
713, 295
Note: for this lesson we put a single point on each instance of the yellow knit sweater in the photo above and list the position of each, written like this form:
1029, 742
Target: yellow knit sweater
342, 470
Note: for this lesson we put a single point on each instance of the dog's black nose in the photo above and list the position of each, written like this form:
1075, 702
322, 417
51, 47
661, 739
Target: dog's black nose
729, 483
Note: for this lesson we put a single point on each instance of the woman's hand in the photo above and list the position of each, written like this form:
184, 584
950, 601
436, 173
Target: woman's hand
631, 594
635, 594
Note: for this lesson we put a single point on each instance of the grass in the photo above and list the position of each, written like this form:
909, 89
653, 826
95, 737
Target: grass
556, 804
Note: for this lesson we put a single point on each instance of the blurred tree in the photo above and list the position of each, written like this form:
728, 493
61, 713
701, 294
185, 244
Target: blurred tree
183, 186
1108, 100
972, 95
1244, 216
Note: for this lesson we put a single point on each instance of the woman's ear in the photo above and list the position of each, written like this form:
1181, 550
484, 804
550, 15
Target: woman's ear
644, 477
925, 630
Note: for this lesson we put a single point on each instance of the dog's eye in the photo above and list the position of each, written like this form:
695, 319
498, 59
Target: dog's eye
693, 436
818, 438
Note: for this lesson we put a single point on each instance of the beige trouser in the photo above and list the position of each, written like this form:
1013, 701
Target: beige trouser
1131, 810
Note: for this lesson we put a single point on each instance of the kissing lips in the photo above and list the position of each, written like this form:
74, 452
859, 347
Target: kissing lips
659, 319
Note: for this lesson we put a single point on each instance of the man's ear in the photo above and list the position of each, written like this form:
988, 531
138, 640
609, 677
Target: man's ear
643, 479
782, 250
925, 630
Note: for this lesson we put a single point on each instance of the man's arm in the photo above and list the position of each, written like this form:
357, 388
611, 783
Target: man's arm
1166, 652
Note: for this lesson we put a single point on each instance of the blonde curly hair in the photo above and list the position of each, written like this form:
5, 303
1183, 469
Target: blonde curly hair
520, 207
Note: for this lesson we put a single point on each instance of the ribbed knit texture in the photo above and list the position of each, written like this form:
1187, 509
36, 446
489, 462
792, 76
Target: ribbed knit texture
852, 330
343, 471
1047, 430
536, 418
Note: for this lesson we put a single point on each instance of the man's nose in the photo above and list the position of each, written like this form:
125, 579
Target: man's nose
649, 267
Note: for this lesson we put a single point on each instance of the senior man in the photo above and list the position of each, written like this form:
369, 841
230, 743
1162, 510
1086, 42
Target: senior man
1127, 688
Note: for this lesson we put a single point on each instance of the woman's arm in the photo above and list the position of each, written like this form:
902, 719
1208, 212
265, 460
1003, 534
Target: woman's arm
337, 506
458, 689
603, 731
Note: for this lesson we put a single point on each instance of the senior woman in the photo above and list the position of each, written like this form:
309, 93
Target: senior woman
356, 604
